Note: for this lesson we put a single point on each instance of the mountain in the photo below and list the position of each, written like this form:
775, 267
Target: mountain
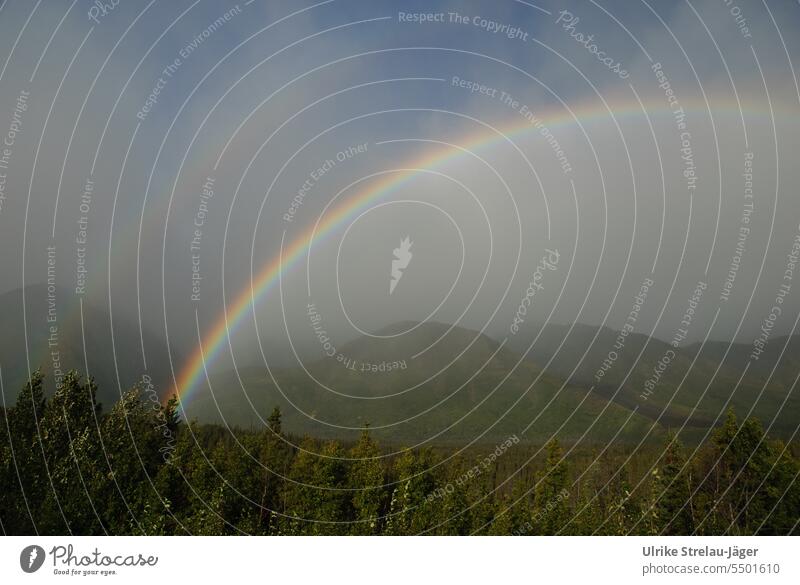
679, 379
435, 382
59, 329
414, 382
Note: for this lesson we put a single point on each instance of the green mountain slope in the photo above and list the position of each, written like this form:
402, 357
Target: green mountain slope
463, 387
686, 385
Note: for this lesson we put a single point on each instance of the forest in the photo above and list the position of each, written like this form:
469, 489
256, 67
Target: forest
68, 466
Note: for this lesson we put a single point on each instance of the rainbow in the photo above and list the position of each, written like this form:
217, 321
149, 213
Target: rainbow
213, 341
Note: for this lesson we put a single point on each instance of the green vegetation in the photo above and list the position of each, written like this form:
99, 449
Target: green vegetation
68, 467
494, 391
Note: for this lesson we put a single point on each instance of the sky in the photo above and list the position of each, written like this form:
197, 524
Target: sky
634, 141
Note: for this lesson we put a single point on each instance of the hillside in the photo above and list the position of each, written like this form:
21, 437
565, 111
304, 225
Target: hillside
464, 387
693, 385
115, 367
434, 382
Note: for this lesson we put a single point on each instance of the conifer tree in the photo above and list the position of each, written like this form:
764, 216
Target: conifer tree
672, 510
315, 496
551, 510
70, 436
512, 514
412, 506
25, 476
275, 459
366, 479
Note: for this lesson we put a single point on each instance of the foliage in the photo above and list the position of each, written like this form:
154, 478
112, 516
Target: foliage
68, 467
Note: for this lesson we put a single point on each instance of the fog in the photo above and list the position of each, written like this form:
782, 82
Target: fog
172, 154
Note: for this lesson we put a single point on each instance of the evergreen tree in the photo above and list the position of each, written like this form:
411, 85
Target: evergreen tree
314, 497
366, 477
67, 467
70, 436
673, 509
275, 459
274, 421
625, 510
452, 506
25, 480
513, 512
413, 503
551, 511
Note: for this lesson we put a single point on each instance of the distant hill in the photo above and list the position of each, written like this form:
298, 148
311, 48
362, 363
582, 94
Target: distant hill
682, 390
465, 381
413, 382
96, 335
